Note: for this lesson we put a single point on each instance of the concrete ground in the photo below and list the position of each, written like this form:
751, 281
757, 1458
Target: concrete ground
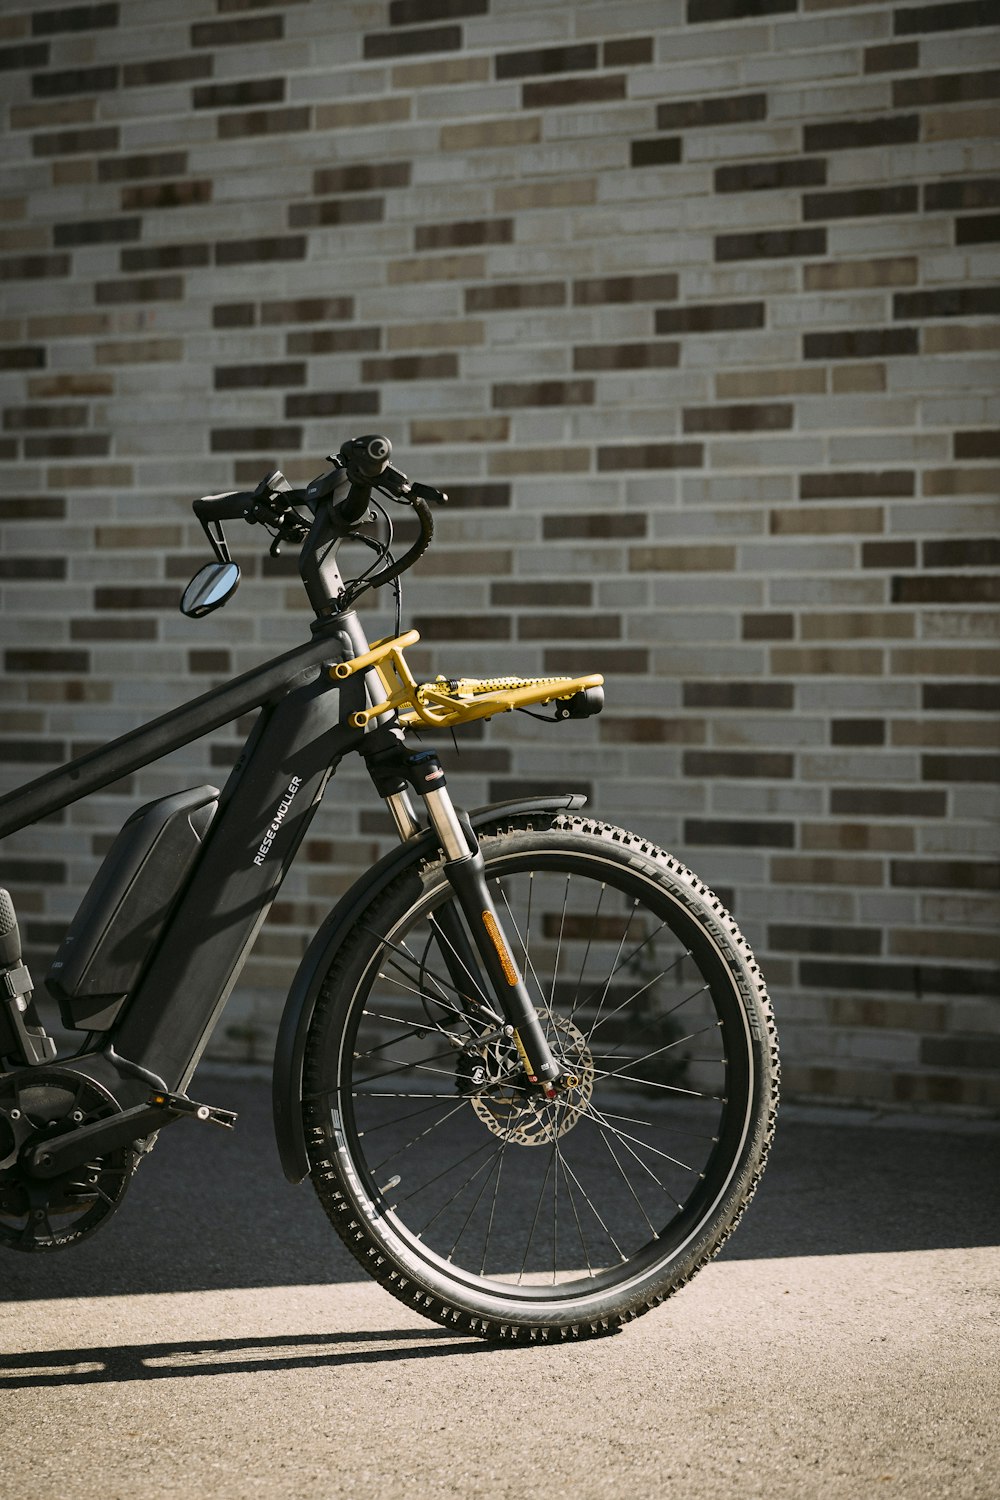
215, 1340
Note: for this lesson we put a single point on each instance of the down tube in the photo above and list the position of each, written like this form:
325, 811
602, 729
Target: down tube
266, 808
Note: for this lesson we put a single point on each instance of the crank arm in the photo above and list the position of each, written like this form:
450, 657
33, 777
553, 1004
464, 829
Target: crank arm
61, 1153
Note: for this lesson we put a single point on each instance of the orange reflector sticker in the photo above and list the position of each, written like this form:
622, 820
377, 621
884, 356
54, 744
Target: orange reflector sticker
496, 937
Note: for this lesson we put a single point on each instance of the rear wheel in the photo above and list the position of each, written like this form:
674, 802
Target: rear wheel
455, 1182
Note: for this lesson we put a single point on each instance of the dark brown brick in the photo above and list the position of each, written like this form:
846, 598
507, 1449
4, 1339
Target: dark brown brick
572, 661
600, 524
362, 177
964, 551
657, 151
861, 203
249, 377
272, 439
710, 317
502, 296
979, 1052
567, 627
34, 267
358, 403
662, 355
567, 91
982, 444
35, 659
308, 310
159, 71
946, 874
886, 802
240, 94
840, 484
739, 833
769, 764
479, 496
132, 629
861, 343
572, 59
271, 247
793, 938
36, 871
74, 18
411, 12
543, 393
854, 135
509, 787
961, 697
965, 588
335, 341
411, 367
759, 176
694, 114
857, 732
75, 81
151, 164
167, 194
962, 192
243, 32
896, 57
651, 456
25, 569
771, 416
533, 594
463, 627
32, 752
336, 211
982, 229
165, 257
211, 660
140, 289
251, 122
596, 290
466, 232
33, 508
141, 597
773, 627
96, 231
627, 52
735, 10
948, 302
889, 554
770, 244
80, 445
911, 979
960, 768
945, 88
76, 142
23, 357
407, 43
31, 418
21, 58
957, 15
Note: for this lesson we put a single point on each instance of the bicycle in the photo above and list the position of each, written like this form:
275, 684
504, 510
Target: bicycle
528, 1060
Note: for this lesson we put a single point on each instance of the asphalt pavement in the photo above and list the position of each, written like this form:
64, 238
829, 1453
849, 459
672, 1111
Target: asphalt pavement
215, 1340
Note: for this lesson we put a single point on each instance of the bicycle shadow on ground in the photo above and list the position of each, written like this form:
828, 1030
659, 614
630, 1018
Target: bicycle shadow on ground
205, 1357
210, 1209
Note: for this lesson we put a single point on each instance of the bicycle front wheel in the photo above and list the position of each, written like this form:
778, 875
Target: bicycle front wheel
460, 1187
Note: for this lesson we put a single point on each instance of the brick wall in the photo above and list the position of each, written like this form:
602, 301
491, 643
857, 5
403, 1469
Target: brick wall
691, 305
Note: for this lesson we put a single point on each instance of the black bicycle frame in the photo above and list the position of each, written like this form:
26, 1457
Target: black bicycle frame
265, 808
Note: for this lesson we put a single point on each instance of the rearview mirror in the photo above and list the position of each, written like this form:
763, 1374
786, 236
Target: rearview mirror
210, 587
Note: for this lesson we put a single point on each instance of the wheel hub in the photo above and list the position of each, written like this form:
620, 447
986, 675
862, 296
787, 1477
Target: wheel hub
521, 1113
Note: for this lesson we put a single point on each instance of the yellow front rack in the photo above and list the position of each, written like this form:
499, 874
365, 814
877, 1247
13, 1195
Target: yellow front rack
449, 701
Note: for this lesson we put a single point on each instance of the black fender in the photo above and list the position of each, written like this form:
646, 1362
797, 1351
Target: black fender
289, 1051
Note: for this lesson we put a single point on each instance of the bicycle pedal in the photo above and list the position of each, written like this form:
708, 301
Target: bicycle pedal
180, 1104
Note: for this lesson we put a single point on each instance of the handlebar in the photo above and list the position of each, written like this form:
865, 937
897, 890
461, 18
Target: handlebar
363, 464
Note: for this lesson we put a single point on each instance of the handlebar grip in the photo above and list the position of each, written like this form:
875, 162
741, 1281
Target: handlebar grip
229, 507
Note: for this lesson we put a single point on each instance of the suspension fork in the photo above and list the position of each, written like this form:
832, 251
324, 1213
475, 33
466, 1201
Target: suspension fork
465, 869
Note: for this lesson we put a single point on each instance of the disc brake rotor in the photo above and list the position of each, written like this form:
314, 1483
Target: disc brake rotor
35, 1214
510, 1111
